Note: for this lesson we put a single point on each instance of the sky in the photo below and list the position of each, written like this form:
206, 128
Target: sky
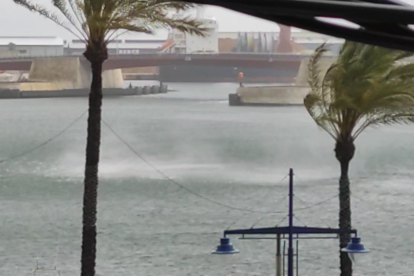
17, 21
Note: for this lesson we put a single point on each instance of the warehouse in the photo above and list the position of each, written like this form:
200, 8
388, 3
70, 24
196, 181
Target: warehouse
119, 46
22, 46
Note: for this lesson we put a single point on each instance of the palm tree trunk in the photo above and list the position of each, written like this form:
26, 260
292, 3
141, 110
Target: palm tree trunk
88, 258
344, 217
344, 153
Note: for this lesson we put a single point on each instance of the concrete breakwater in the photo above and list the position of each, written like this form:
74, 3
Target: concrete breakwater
269, 95
65, 93
280, 95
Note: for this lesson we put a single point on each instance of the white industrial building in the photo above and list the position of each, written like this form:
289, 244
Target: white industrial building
119, 46
54, 46
24, 46
180, 42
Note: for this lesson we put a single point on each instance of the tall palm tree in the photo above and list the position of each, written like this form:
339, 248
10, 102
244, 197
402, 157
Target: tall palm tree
366, 86
96, 23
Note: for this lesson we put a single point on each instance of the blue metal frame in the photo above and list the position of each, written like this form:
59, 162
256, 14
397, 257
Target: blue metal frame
289, 230
299, 230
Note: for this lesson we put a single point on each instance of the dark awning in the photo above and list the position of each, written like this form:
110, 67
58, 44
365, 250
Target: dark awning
383, 22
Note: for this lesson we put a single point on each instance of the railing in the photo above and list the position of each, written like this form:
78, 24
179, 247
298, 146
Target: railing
158, 55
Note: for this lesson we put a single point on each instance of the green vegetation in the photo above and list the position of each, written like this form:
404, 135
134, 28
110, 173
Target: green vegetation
366, 86
96, 22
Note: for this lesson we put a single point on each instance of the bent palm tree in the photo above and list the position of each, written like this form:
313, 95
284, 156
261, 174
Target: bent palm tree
366, 86
95, 22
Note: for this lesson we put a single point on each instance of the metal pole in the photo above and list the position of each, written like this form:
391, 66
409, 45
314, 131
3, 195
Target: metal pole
290, 246
278, 259
297, 258
284, 254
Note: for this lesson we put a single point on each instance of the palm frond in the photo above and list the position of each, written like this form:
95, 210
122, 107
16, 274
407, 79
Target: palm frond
397, 118
317, 102
314, 105
76, 6
62, 6
153, 14
97, 20
49, 15
129, 27
313, 67
183, 24
170, 5
367, 86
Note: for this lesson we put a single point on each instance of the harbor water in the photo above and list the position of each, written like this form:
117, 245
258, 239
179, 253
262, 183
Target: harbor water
179, 168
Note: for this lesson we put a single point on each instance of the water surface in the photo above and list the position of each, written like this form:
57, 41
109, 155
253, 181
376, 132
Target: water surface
233, 155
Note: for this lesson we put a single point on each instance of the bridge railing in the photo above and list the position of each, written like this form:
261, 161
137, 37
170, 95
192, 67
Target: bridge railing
172, 55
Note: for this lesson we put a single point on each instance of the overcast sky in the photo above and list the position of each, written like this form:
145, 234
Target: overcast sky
17, 21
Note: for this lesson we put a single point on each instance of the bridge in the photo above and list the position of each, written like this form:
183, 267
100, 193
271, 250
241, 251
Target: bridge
264, 60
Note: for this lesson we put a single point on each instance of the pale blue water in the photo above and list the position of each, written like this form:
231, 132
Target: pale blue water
234, 155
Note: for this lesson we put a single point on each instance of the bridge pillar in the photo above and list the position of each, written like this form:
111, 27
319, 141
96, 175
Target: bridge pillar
68, 73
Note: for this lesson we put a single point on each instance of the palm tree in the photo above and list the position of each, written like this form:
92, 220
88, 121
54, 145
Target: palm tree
366, 86
96, 23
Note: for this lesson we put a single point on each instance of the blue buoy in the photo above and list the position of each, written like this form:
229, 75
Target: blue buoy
225, 247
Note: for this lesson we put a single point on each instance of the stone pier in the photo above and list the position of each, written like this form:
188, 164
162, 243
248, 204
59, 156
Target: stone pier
62, 73
279, 95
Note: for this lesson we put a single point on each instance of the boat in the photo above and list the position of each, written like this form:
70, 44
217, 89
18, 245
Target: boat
298, 45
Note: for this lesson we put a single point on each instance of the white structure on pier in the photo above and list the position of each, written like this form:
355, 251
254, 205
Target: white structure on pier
192, 44
24, 46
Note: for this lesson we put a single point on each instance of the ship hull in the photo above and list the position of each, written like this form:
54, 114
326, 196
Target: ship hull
194, 73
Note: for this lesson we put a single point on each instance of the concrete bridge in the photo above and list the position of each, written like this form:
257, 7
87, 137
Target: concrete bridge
59, 73
276, 61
